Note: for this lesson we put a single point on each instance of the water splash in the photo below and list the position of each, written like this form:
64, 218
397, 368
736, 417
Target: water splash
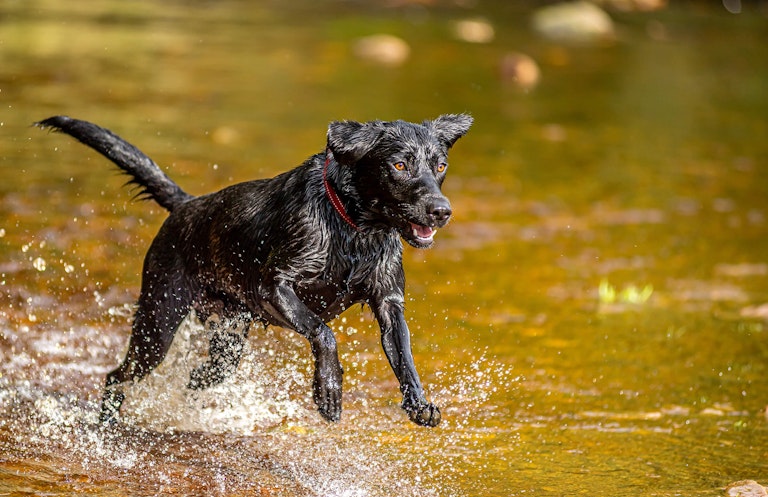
256, 432
265, 392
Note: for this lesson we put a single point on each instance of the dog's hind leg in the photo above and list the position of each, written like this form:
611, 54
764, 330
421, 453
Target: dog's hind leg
162, 307
228, 331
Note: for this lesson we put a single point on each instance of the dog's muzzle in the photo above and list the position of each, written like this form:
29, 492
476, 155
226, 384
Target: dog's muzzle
437, 212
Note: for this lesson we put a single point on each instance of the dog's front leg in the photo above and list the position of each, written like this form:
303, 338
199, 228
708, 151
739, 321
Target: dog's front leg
285, 305
396, 341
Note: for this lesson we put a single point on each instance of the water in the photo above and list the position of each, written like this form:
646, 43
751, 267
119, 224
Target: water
593, 321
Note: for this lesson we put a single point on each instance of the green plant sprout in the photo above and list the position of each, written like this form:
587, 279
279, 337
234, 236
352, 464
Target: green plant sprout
608, 294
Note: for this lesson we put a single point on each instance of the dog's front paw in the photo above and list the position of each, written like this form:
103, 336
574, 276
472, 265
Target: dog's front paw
423, 413
326, 392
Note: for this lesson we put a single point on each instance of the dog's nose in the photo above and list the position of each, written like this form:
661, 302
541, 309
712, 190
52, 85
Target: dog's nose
439, 211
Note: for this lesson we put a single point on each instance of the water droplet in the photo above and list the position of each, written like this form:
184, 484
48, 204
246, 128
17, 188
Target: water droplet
39, 264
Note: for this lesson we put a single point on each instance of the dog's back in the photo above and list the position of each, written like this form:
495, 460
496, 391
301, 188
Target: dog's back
222, 240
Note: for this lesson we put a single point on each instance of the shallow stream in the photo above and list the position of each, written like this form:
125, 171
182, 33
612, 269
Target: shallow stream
594, 320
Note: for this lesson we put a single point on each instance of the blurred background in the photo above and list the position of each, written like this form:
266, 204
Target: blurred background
593, 321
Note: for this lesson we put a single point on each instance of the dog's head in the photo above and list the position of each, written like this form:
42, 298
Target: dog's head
394, 170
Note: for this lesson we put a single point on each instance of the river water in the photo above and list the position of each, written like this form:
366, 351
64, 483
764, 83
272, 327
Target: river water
594, 320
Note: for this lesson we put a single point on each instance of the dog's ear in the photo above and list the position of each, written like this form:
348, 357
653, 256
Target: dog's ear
350, 140
450, 127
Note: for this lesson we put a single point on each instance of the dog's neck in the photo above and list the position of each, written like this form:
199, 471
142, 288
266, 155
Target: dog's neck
333, 197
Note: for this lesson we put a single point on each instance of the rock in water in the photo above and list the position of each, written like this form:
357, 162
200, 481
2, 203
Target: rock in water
474, 31
520, 70
745, 488
383, 49
578, 21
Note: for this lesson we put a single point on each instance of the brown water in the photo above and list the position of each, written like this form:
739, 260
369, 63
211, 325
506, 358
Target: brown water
594, 321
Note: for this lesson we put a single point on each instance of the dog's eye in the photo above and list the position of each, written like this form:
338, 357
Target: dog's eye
442, 167
399, 166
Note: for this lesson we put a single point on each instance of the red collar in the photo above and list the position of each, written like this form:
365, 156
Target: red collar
333, 197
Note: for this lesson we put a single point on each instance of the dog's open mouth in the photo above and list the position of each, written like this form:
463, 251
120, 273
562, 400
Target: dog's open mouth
423, 233
418, 235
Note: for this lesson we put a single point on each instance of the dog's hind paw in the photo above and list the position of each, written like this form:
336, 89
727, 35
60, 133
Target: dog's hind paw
110, 406
424, 414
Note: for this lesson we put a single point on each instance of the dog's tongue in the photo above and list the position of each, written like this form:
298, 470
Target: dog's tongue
423, 232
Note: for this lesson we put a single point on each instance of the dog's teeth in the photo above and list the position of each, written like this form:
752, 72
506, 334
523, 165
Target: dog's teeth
423, 232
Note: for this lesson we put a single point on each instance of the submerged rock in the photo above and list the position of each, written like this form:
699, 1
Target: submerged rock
474, 31
745, 488
755, 311
578, 21
520, 70
635, 5
387, 50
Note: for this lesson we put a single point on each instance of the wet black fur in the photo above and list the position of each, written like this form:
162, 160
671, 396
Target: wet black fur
276, 251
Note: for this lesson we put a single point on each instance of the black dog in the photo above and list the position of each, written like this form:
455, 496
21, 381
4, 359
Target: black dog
293, 251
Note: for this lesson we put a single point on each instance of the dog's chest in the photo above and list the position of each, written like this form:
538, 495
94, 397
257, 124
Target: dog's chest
348, 275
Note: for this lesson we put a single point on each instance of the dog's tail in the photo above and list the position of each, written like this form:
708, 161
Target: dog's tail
147, 175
